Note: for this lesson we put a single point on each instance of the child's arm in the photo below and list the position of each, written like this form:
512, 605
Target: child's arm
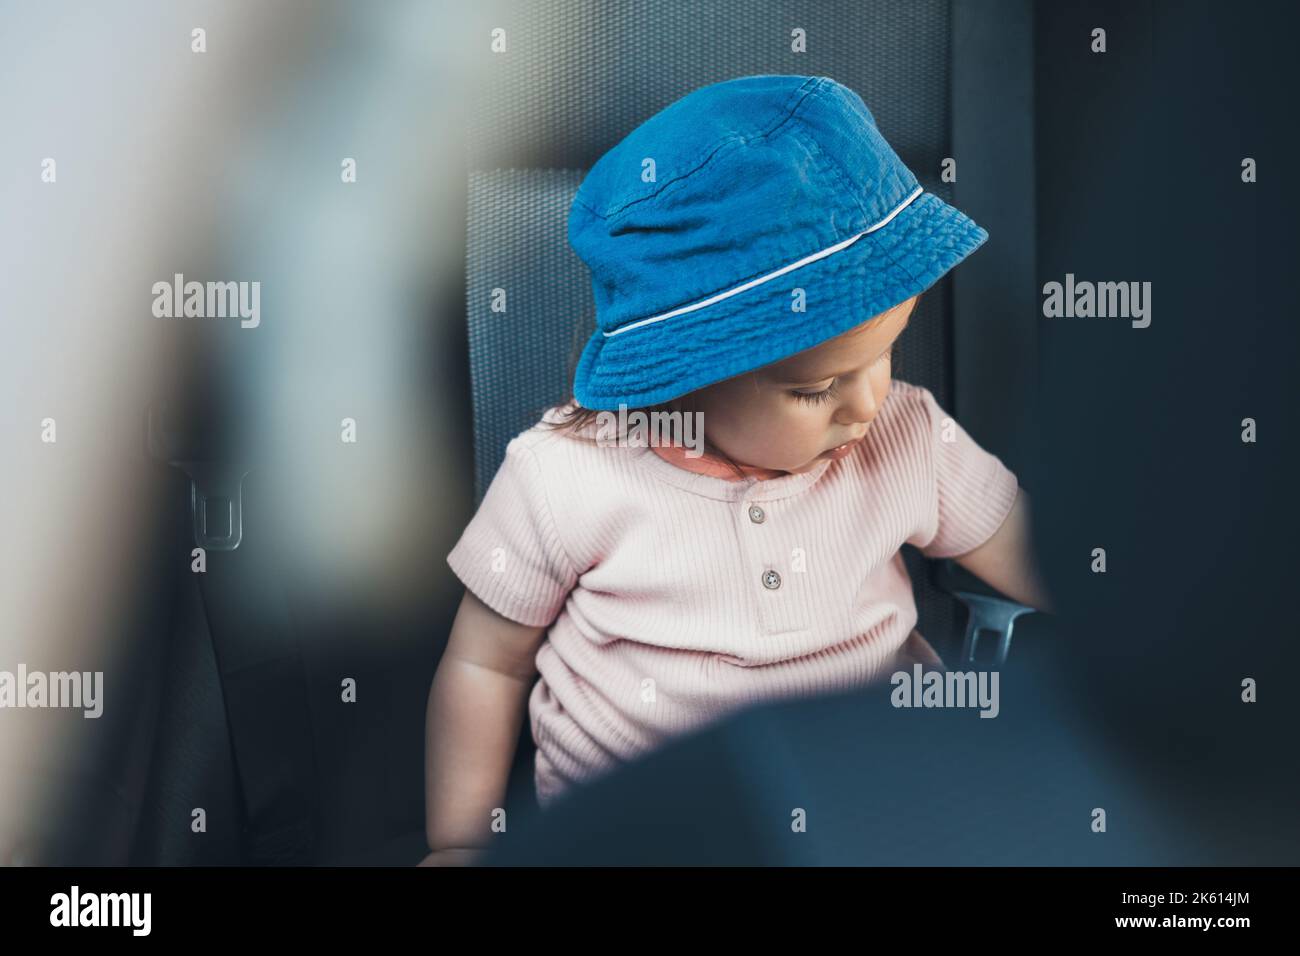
1005, 561
476, 705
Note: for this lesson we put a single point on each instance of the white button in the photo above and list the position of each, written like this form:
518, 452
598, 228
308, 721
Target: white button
756, 514
771, 580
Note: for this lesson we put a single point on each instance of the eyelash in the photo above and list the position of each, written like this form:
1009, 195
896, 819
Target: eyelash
816, 398
826, 394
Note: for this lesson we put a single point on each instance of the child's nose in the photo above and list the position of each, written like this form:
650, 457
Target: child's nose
859, 406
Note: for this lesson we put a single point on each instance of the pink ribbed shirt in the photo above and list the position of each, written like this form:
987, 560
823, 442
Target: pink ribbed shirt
672, 597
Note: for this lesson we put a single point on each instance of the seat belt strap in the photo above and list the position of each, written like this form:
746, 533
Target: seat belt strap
263, 678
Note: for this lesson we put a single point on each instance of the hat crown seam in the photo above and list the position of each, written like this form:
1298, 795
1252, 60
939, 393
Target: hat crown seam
837, 167
710, 153
840, 173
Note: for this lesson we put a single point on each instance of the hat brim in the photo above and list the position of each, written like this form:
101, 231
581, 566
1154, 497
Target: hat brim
663, 360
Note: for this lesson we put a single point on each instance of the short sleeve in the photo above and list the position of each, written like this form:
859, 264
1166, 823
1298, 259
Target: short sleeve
971, 490
510, 554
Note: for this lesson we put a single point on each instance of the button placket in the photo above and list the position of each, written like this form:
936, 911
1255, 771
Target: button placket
766, 549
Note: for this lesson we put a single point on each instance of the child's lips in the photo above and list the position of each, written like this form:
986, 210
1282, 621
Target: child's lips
839, 451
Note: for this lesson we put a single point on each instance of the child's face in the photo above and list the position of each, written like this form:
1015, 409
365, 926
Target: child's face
760, 418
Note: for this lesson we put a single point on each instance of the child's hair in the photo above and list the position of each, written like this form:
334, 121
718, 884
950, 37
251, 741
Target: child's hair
572, 418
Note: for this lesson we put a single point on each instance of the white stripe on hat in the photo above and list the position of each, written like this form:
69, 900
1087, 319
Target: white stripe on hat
772, 275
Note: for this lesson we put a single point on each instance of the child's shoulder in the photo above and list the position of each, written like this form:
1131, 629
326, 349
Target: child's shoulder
562, 435
581, 475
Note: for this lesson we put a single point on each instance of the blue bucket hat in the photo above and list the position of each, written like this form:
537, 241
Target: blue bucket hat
702, 222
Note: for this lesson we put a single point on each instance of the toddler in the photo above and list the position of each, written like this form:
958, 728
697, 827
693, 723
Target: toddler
756, 250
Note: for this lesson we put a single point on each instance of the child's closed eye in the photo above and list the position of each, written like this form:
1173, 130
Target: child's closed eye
826, 394
815, 398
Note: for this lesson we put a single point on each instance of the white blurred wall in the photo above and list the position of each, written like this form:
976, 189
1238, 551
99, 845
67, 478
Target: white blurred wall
223, 165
